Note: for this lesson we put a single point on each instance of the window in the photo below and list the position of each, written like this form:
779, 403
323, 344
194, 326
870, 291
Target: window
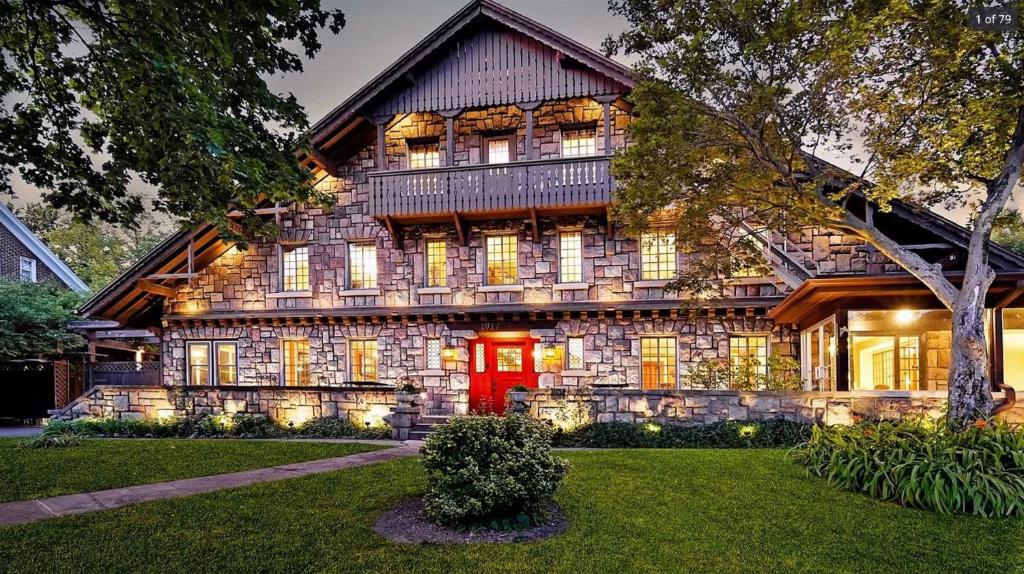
227, 363
570, 257
362, 266
502, 259
198, 363
510, 359
657, 255
574, 354
579, 142
219, 369
479, 358
27, 269
424, 155
295, 362
748, 357
433, 353
362, 355
500, 149
437, 263
900, 349
295, 268
658, 362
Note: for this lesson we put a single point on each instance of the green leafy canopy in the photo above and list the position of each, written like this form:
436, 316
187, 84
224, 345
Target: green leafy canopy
33, 319
171, 91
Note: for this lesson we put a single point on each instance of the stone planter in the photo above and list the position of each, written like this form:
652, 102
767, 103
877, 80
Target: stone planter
406, 398
518, 399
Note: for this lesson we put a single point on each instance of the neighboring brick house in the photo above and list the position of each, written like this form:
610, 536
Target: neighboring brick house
24, 257
470, 248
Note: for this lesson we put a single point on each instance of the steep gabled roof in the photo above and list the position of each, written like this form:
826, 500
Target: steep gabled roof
473, 13
43, 254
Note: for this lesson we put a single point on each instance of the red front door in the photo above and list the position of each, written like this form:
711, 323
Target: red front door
496, 365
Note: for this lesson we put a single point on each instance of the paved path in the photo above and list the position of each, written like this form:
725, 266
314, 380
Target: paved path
26, 511
10, 432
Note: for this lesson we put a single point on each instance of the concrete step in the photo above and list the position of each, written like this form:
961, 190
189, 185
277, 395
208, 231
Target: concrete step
418, 435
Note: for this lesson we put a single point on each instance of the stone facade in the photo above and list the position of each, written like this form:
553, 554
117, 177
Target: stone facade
285, 405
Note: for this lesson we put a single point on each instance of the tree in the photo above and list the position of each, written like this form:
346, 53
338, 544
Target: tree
171, 91
33, 320
736, 98
96, 252
1009, 230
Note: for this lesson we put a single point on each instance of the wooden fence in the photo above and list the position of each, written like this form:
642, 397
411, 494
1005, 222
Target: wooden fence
123, 373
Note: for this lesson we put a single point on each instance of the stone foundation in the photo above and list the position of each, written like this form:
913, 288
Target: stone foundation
569, 408
291, 405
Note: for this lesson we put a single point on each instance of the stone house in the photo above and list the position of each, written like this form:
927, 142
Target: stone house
470, 249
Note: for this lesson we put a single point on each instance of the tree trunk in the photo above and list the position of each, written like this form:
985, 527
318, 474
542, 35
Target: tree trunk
970, 389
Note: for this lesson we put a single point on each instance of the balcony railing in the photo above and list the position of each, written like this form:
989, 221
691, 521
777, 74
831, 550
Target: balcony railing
538, 184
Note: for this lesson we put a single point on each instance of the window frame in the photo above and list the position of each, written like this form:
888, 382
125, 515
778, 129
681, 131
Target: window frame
351, 363
485, 148
488, 259
427, 282
283, 252
284, 366
761, 369
565, 131
348, 264
33, 269
569, 354
432, 361
675, 366
216, 359
410, 144
561, 256
188, 363
674, 256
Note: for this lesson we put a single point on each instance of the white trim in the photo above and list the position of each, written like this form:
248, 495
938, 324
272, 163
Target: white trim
359, 292
188, 363
24, 235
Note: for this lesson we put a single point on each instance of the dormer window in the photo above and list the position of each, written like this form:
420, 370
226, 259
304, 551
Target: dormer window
423, 155
579, 142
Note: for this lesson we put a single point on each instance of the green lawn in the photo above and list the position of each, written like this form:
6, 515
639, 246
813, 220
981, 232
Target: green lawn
631, 511
111, 463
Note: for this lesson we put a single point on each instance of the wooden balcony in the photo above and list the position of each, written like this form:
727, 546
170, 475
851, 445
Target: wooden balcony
555, 186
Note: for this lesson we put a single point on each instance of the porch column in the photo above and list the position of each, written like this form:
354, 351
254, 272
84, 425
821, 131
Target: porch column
842, 350
449, 130
382, 155
528, 107
606, 104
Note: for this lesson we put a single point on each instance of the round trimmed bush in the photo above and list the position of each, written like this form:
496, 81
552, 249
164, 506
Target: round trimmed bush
978, 471
491, 470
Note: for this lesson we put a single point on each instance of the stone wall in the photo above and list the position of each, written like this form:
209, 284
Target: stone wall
284, 405
570, 407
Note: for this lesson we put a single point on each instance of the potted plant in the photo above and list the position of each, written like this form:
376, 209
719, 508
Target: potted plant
518, 394
406, 390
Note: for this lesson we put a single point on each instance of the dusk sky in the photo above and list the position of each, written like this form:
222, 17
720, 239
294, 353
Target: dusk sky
378, 32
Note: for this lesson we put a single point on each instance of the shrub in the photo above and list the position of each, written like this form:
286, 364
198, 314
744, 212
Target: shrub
978, 471
488, 470
240, 425
774, 433
330, 427
53, 438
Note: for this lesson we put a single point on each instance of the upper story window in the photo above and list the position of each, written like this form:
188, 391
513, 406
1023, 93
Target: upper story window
502, 259
570, 257
437, 263
424, 155
657, 255
499, 149
295, 362
579, 142
748, 357
295, 268
362, 266
362, 356
658, 362
27, 269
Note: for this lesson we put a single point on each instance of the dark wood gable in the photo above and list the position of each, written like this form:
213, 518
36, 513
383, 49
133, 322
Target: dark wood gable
495, 66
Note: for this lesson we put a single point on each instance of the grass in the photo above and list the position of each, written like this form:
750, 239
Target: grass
631, 511
111, 463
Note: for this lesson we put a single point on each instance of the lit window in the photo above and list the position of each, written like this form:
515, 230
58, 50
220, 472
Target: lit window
27, 269
479, 359
658, 362
437, 261
574, 353
748, 356
362, 266
227, 363
295, 363
886, 348
657, 255
570, 257
502, 259
295, 268
499, 150
510, 359
910, 364
433, 353
199, 363
424, 155
362, 354
579, 143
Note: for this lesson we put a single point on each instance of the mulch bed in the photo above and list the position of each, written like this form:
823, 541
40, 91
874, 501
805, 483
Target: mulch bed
407, 524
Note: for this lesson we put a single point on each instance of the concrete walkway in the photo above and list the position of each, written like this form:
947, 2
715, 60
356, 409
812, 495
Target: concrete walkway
12, 432
26, 511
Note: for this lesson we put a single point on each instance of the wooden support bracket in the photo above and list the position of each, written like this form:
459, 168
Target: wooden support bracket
394, 229
536, 224
460, 227
155, 288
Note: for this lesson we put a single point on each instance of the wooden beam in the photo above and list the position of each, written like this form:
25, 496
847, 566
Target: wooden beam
921, 246
460, 227
155, 288
159, 276
329, 165
536, 224
608, 230
261, 211
1014, 293
395, 230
